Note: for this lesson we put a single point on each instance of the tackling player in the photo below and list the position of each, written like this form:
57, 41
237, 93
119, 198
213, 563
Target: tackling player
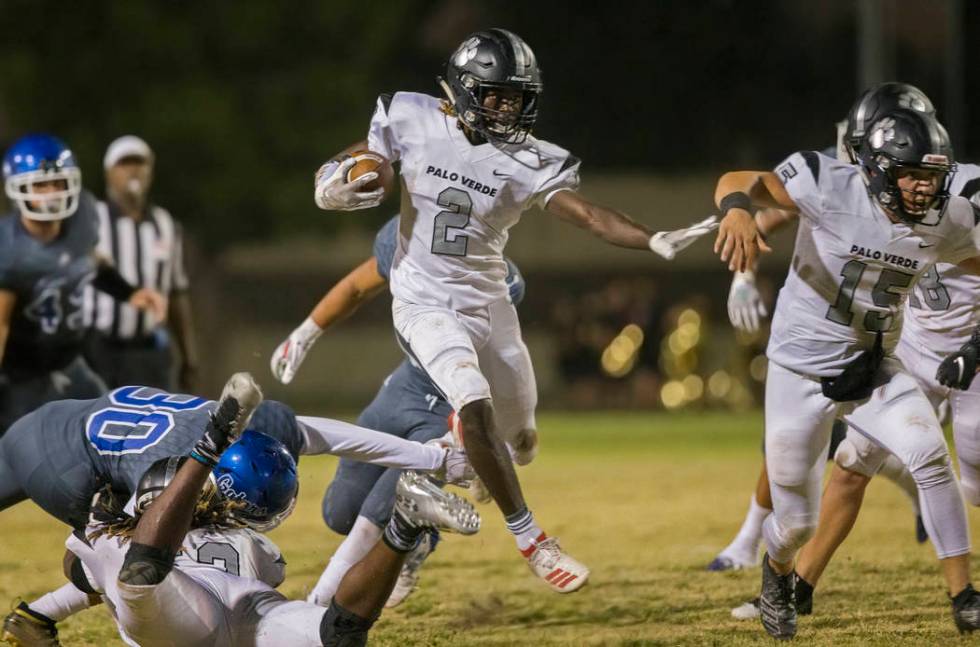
469, 168
359, 500
47, 258
192, 567
832, 341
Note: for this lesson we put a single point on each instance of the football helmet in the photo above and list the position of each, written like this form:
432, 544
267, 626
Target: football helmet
873, 103
905, 139
259, 471
157, 477
490, 60
35, 159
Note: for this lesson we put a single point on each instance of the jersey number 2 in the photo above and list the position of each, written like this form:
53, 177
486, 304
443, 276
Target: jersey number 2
446, 239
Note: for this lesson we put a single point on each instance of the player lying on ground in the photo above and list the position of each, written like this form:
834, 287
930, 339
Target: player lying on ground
469, 168
940, 316
191, 567
832, 344
359, 500
47, 261
746, 308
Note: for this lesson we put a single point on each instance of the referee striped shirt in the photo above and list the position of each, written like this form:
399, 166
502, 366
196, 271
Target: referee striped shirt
149, 254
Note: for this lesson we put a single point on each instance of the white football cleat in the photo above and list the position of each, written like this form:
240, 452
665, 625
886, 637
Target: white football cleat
747, 611
426, 504
733, 560
247, 393
408, 578
559, 570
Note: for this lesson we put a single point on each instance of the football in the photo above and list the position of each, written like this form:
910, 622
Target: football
368, 161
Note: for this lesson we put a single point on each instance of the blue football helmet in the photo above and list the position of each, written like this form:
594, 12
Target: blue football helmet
516, 287
259, 471
36, 159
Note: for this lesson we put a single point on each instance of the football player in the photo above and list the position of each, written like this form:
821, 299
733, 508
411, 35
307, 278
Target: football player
469, 168
359, 500
192, 565
147, 424
836, 326
940, 317
746, 308
47, 258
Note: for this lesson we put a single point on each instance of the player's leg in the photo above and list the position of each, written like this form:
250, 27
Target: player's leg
798, 427
965, 407
743, 551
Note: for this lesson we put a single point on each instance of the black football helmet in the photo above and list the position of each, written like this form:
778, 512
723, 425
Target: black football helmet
489, 60
158, 476
877, 100
905, 139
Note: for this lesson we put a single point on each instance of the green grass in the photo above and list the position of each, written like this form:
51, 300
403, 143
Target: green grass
645, 500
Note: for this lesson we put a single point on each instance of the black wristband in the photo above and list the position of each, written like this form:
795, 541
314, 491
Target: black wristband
735, 200
109, 280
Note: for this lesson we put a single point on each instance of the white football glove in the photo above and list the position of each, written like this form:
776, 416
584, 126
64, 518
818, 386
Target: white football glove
456, 468
745, 306
290, 354
668, 243
334, 193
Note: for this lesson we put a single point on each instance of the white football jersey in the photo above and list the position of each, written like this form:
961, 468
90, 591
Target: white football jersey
232, 564
852, 267
458, 200
942, 311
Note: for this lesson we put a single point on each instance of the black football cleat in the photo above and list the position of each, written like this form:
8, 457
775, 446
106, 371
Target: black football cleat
803, 595
966, 610
777, 607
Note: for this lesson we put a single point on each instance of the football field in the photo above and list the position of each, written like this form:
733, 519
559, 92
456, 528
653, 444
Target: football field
646, 500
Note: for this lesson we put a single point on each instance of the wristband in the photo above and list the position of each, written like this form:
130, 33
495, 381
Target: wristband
735, 200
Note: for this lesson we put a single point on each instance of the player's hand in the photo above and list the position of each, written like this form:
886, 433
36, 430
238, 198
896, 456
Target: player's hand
739, 241
958, 370
151, 301
456, 468
668, 243
219, 433
288, 356
745, 306
334, 193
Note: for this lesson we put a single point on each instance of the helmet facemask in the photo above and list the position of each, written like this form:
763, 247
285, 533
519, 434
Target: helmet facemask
502, 125
883, 174
46, 205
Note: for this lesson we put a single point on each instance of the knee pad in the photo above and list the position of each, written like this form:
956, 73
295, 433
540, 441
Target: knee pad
341, 628
791, 537
862, 457
937, 471
145, 565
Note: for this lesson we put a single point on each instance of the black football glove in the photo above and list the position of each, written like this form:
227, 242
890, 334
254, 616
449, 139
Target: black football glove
219, 433
958, 370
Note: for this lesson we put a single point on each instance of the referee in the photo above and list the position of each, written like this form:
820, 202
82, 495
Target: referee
146, 245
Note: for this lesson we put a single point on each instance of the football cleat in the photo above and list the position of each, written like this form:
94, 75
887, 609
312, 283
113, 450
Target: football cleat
966, 610
426, 504
747, 611
777, 609
730, 561
243, 388
802, 595
26, 628
408, 578
558, 569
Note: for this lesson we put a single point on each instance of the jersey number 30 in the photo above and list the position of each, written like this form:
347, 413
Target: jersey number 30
446, 238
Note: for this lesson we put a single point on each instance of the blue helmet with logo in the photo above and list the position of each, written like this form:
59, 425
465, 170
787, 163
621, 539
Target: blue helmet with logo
258, 471
42, 159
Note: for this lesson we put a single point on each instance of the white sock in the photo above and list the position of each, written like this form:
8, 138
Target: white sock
362, 538
526, 532
747, 540
893, 470
61, 603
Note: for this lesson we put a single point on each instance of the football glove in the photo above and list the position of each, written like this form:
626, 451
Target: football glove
456, 468
288, 356
958, 370
218, 434
745, 306
668, 243
334, 193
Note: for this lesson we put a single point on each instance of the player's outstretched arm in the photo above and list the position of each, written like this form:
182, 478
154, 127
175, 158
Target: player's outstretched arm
739, 240
361, 285
327, 436
616, 228
109, 280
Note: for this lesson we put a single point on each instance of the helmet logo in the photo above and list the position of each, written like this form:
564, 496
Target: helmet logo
466, 52
933, 158
912, 102
884, 132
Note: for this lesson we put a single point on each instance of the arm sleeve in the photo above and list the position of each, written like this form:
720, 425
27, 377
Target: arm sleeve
180, 281
326, 436
561, 177
801, 173
384, 246
382, 137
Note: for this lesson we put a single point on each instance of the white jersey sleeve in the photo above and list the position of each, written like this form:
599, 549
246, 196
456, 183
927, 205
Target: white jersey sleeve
383, 131
242, 552
101, 559
565, 177
801, 174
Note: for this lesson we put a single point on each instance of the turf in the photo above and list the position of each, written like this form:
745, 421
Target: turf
645, 500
